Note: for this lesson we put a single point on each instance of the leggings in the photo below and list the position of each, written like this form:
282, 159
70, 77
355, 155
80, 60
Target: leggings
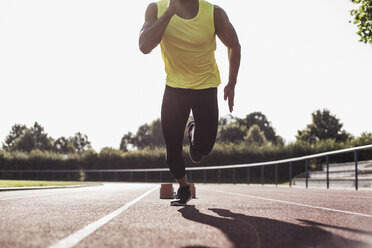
175, 112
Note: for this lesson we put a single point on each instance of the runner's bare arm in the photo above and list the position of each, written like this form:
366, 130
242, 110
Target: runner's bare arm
153, 29
227, 34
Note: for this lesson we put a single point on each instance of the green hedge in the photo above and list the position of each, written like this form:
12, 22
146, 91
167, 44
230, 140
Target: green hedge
222, 154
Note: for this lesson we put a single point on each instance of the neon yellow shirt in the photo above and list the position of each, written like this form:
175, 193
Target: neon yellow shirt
188, 47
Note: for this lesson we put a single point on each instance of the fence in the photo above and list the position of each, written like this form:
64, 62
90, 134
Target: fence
164, 175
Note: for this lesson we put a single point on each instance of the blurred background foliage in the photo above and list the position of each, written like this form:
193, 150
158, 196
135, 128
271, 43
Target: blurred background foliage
363, 19
24, 139
239, 140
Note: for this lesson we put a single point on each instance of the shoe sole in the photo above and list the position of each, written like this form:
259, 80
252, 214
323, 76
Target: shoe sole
188, 130
195, 162
189, 136
177, 203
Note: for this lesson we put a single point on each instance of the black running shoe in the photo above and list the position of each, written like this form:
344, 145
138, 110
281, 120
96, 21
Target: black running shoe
183, 196
194, 155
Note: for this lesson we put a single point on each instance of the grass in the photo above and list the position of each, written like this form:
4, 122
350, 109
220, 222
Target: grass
31, 183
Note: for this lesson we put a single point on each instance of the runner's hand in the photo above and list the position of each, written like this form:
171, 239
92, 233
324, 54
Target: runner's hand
229, 93
173, 6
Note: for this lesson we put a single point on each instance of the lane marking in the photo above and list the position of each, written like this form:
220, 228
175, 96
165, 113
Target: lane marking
319, 193
292, 203
42, 195
66, 191
353, 196
294, 190
81, 234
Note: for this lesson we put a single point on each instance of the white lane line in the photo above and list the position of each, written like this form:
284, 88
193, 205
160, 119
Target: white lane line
81, 234
292, 203
338, 195
318, 193
42, 195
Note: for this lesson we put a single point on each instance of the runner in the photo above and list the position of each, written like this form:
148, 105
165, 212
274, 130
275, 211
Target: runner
186, 31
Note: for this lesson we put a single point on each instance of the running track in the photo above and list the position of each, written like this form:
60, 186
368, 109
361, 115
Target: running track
132, 215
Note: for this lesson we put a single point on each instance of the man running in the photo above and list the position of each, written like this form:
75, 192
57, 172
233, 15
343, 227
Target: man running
186, 31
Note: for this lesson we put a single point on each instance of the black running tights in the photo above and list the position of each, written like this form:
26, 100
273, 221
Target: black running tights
175, 112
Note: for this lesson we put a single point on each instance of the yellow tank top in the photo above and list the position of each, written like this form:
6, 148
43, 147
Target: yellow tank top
188, 47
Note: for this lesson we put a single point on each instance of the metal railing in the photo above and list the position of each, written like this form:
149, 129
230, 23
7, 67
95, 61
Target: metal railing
276, 163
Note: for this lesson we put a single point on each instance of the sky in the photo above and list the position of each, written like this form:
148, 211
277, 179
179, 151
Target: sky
74, 66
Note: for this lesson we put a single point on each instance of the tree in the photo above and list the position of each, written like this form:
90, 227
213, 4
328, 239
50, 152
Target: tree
41, 139
256, 136
364, 139
148, 135
63, 145
226, 120
363, 19
126, 141
152, 137
232, 133
80, 142
25, 142
26, 139
259, 119
17, 131
324, 126
30, 139
229, 131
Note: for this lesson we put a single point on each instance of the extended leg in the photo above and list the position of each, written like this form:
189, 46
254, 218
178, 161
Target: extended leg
174, 115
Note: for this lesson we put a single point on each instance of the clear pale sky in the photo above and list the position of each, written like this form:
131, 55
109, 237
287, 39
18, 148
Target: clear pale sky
74, 66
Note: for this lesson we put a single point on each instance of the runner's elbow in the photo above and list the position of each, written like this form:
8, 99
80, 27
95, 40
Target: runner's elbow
234, 47
144, 49
237, 47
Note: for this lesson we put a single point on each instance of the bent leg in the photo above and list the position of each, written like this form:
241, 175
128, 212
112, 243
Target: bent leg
205, 112
174, 115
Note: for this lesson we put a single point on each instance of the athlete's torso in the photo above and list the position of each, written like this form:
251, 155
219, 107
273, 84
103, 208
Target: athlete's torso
188, 47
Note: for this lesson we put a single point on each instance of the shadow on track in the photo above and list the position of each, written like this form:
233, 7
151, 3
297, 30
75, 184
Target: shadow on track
313, 223
249, 231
